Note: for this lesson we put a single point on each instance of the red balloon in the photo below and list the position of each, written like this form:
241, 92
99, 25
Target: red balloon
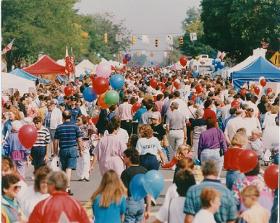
101, 103
271, 176
68, 90
27, 135
153, 83
230, 159
198, 89
268, 91
243, 92
257, 90
95, 119
183, 61
135, 107
177, 85
263, 82
100, 85
247, 160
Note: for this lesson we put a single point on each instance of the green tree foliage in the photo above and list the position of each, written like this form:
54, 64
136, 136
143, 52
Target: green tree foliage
49, 26
238, 26
193, 24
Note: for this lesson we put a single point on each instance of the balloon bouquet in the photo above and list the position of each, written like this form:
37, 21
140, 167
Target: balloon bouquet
150, 183
218, 64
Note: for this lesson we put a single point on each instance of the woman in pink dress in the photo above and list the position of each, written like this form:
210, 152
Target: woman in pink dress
109, 151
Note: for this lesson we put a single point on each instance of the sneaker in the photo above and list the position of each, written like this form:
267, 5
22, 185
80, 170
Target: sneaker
153, 202
81, 179
85, 179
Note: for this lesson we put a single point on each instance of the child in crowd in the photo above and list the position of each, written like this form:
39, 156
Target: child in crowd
255, 212
108, 201
183, 151
210, 204
256, 144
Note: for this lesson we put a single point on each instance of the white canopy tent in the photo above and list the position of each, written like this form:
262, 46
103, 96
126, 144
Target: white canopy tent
256, 54
84, 66
11, 81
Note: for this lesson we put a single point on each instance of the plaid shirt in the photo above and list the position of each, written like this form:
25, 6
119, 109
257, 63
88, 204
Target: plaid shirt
227, 210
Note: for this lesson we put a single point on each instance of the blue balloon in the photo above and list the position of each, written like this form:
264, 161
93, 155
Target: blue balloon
136, 187
117, 81
217, 60
89, 94
154, 183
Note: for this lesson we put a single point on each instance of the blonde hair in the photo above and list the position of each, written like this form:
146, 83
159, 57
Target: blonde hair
111, 189
146, 131
250, 191
274, 109
239, 139
182, 148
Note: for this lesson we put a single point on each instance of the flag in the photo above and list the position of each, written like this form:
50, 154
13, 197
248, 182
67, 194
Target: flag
69, 63
8, 47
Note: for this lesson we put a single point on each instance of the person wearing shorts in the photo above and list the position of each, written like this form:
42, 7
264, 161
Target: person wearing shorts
69, 137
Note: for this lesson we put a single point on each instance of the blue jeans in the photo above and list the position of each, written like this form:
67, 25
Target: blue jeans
134, 211
68, 158
149, 161
213, 154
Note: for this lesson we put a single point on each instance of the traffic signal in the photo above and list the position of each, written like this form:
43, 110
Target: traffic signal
105, 38
156, 42
133, 39
181, 40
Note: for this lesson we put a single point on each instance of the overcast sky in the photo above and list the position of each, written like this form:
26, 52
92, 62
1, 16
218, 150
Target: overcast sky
155, 18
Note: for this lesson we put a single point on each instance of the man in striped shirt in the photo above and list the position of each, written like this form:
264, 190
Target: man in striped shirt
39, 149
68, 136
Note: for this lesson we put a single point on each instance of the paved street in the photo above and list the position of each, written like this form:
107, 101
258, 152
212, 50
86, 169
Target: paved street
83, 190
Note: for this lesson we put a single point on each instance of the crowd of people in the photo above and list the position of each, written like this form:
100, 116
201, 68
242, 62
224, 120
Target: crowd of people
172, 124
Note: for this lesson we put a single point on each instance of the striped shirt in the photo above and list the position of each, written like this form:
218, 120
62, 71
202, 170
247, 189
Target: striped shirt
227, 210
43, 137
67, 134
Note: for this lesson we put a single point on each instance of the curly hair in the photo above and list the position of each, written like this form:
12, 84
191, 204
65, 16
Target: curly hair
146, 131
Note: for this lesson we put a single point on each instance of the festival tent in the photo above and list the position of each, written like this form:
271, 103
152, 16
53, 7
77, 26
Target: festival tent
45, 66
84, 67
256, 54
21, 73
260, 67
12, 81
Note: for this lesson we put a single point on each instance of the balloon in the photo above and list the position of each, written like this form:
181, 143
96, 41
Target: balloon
263, 82
117, 81
271, 176
183, 61
161, 85
135, 107
136, 187
243, 92
111, 98
103, 70
268, 91
177, 85
100, 85
153, 183
153, 83
95, 119
101, 103
89, 94
247, 160
198, 89
127, 57
217, 60
230, 159
257, 90
27, 135
68, 90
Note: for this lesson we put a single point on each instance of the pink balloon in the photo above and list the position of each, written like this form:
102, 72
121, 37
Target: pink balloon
103, 70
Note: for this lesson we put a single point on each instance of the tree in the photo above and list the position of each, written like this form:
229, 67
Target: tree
193, 24
40, 26
238, 26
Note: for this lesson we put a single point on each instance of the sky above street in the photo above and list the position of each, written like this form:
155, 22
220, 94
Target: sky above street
155, 18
